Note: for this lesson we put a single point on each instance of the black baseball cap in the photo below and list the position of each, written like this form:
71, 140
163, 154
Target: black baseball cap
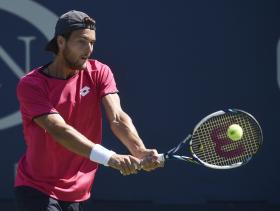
70, 21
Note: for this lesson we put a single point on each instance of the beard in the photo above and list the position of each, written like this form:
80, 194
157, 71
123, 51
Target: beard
73, 62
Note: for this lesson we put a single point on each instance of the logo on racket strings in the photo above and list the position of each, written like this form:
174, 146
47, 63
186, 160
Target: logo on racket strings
221, 143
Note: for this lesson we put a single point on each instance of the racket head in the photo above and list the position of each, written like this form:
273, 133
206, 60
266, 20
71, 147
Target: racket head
211, 146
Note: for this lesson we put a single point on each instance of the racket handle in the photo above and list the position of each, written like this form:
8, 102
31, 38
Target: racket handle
161, 158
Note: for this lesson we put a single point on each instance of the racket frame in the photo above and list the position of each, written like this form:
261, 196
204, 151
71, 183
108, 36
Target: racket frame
194, 159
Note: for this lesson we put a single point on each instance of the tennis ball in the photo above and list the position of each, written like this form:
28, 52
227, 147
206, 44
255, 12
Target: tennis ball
235, 132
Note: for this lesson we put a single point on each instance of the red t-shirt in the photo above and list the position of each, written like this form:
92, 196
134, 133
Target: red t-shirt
47, 165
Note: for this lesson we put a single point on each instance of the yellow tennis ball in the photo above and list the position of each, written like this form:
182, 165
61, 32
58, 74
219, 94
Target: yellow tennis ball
235, 132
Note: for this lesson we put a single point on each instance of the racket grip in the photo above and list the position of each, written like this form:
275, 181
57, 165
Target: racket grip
161, 158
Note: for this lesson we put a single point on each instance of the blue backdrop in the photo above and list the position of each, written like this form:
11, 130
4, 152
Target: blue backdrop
174, 62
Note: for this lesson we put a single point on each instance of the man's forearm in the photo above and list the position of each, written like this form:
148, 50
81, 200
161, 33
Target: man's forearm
71, 139
125, 131
75, 142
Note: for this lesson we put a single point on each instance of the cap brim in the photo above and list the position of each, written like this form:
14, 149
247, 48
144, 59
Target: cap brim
52, 45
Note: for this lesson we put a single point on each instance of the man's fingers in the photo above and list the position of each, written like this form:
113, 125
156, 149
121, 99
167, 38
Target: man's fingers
137, 166
129, 165
151, 153
135, 162
150, 163
125, 167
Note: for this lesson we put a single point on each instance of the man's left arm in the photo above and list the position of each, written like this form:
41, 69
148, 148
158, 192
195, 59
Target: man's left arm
123, 128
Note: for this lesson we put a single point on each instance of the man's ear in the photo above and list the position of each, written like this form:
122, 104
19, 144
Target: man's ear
61, 41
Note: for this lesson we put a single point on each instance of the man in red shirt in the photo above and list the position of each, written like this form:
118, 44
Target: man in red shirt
60, 105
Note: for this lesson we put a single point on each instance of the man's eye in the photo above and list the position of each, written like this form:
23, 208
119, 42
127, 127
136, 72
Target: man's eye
82, 41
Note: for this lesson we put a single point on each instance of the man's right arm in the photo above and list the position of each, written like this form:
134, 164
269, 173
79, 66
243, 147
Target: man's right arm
77, 143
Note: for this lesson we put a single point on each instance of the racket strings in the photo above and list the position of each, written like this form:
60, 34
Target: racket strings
211, 144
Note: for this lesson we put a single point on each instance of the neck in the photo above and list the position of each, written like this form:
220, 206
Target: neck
59, 69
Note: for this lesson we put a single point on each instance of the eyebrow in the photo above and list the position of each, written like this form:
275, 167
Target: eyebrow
86, 38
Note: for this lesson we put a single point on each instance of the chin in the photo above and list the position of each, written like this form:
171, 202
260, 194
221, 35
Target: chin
80, 66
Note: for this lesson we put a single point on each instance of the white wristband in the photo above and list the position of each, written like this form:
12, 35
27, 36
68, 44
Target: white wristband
100, 154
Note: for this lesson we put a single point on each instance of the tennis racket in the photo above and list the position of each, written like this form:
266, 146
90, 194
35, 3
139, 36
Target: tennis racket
211, 147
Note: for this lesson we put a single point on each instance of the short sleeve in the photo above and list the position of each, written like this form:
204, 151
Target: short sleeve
107, 84
33, 100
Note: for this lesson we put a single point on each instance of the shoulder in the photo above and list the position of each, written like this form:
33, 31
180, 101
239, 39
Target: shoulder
33, 79
96, 66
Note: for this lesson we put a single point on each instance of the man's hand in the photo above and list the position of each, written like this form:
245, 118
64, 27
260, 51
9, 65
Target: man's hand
150, 160
126, 164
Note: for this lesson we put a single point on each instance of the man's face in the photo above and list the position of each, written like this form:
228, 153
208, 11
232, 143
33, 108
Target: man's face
78, 48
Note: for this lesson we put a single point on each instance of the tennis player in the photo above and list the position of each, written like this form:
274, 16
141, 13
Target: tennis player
60, 104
